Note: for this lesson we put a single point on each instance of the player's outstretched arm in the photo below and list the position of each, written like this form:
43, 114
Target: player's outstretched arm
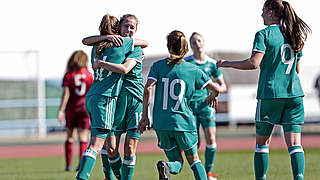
92, 40
251, 63
141, 42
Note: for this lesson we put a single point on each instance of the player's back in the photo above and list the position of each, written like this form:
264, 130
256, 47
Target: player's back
278, 76
79, 83
174, 89
106, 82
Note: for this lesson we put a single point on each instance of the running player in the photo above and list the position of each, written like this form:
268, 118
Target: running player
277, 50
204, 114
102, 96
129, 106
76, 83
176, 81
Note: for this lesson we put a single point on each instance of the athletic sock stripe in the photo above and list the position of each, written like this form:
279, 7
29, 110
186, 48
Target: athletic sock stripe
129, 162
262, 150
211, 146
114, 160
91, 153
296, 151
195, 162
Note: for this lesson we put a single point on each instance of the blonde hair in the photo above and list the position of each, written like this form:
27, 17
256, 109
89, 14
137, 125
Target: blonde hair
77, 60
109, 25
178, 47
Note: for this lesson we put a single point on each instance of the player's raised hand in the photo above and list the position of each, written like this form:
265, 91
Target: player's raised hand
116, 39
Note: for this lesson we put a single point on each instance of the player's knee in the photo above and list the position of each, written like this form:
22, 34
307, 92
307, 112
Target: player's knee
70, 139
130, 150
211, 140
112, 152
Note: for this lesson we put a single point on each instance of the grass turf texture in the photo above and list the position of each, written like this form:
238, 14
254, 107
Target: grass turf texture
230, 165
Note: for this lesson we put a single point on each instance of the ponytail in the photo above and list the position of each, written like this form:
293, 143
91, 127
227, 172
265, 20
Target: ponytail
294, 29
177, 46
109, 25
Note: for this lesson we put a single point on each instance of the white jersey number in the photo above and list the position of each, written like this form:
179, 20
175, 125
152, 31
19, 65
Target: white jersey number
100, 71
99, 74
77, 82
289, 61
169, 90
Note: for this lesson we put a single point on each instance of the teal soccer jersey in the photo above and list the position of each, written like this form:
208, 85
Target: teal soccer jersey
174, 89
105, 82
278, 76
210, 69
133, 81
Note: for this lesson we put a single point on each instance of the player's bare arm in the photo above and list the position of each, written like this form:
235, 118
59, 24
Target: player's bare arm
116, 39
124, 68
141, 42
251, 63
92, 40
144, 122
222, 84
298, 66
64, 101
215, 91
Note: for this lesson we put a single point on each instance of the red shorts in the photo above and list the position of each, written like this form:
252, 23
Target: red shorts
77, 120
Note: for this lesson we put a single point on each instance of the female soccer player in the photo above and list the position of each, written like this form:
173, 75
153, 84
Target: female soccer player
277, 51
176, 81
76, 83
129, 105
102, 96
204, 114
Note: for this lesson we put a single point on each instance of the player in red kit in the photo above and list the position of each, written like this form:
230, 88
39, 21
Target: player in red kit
76, 83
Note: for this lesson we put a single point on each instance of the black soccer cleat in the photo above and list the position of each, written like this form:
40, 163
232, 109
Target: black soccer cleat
163, 170
68, 168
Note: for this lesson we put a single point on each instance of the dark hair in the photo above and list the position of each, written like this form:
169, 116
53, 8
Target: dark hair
178, 47
294, 29
109, 25
77, 60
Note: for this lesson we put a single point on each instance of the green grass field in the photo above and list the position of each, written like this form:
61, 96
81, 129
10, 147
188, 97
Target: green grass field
230, 165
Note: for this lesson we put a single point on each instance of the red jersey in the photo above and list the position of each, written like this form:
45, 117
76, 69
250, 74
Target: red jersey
79, 84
